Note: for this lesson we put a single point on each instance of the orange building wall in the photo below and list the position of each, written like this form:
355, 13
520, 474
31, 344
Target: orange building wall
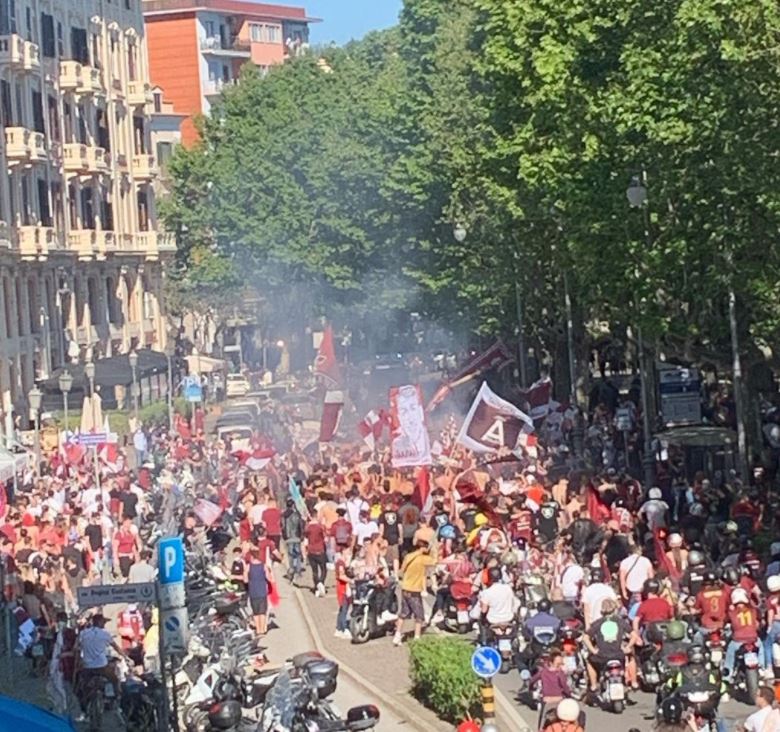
174, 59
267, 54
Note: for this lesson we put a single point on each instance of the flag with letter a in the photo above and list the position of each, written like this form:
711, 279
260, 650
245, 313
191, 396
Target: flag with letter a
492, 423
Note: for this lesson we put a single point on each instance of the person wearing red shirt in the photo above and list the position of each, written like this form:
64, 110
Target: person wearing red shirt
268, 551
712, 602
744, 628
313, 547
341, 531
653, 608
520, 526
272, 518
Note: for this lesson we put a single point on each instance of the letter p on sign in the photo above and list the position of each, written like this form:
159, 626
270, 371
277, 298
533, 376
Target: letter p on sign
171, 561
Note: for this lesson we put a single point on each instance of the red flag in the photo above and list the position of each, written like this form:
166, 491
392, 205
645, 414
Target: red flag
597, 511
273, 593
326, 364
422, 487
207, 511
331, 415
538, 398
370, 428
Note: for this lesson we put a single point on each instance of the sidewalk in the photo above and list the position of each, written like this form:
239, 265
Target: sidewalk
292, 636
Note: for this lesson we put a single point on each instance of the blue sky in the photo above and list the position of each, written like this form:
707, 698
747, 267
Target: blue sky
343, 20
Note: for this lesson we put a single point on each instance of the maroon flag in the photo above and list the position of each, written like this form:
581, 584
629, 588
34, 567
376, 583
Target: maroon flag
493, 423
538, 398
331, 415
496, 356
325, 364
370, 428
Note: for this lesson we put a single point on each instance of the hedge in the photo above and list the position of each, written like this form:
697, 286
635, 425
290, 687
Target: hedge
442, 679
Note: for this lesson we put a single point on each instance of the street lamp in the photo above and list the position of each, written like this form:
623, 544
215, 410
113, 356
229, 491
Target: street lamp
170, 350
132, 357
66, 384
89, 372
636, 193
460, 233
35, 397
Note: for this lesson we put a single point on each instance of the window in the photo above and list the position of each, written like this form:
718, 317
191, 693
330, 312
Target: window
107, 212
47, 35
60, 41
67, 120
209, 26
43, 202
81, 121
274, 33
164, 152
87, 208
157, 102
78, 45
29, 22
73, 212
127, 4
37, 108
139, 136
26, 214
103, 136
7, 17
143, 211
95, 50
56, 197
6, 106
256, 32
131, 62
54, 118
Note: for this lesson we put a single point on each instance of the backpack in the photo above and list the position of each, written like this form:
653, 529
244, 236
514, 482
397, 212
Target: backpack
343, 533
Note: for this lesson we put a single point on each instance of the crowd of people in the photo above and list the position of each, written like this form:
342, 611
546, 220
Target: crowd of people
607, 554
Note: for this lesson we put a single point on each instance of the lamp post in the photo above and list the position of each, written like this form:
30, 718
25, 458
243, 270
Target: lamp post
35, 397
170, 349
636, 193
66, 384
133, 359
89, 372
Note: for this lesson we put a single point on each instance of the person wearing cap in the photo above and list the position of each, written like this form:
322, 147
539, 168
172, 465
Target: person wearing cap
567, 718
677, 555
654, 510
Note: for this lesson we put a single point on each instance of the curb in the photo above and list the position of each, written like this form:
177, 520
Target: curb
398, 709
509, 713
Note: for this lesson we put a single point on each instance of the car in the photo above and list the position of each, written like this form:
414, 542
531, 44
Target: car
236, 385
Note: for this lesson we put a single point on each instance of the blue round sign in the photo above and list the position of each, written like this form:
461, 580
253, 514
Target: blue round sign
486, 662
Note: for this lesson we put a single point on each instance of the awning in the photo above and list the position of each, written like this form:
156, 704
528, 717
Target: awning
27, 717
11, 463
205, 364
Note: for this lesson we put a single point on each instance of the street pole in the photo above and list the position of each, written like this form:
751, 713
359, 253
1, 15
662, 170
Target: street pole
95, 427
739, 403
135, 395
65, 406
521, 336
570, 341
161, 652
37, 445
648, 460
170, 395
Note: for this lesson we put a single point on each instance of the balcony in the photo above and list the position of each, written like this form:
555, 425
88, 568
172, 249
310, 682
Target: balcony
149, 326
75, 158
37, 147
146, 242
12, 50
70, 75
121, 161
17, 144
82, 335
166, 241
84, 243
106, 241
144, 167
91, 82
215, 46
134, 330
115, 331
97, 160
139, 93
32, 56
215, 87
5, 235
36, 241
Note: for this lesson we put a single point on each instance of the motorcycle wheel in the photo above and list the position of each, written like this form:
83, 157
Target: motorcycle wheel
618, 707
505, 666
95, 707
360, 631
751, 683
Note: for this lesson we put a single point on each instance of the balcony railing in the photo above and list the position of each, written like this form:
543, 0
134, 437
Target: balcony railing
11, 50
215, 45
83, 242
37, 146
97, 160
139, 93
17, 144
91, 81
5, 235
215, 87
144, 167
106, 241
166, 241
36, 241
75, 158
146, 242
32, 56
134, 329
70, 75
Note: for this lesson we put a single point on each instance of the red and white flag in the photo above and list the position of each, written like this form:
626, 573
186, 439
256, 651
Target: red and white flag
370, 428
492, 423
207, 511
255, 460
331, 415
325, 364
411, 445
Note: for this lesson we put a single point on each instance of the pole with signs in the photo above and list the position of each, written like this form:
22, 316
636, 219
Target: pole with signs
486, 663
174, 620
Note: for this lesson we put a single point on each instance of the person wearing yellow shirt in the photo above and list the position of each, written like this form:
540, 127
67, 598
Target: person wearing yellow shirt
413, 572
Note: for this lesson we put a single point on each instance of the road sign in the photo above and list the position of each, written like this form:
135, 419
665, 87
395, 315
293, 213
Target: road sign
171, 595
91, 439
193, 391
623, 419
115, 594
171, 560
174, 627
486, 662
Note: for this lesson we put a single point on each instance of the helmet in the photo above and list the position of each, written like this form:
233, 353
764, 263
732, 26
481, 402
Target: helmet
695, 558
544, 605
596, 574
774, 548
709, 577
509, 559
773, 583
730, 575
671, 710
225, 715
568, 710
494, 574
480, 519
739, 597
675, 541
696, 655
675, 630
651, 586
731, 527
447, 532
655, 494
468, 726
696, 509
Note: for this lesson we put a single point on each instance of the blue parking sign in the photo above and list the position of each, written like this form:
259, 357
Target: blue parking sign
170, 558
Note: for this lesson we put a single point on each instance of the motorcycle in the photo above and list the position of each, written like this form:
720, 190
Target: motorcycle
713, 642
745, 676
612, 686
503, 637
572, 662
140, 702
367, 621
456, 613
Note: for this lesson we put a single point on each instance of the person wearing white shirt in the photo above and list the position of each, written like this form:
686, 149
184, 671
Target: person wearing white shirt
767, 718
364, 529
595, 594
355, 504
498, 601
635, 570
